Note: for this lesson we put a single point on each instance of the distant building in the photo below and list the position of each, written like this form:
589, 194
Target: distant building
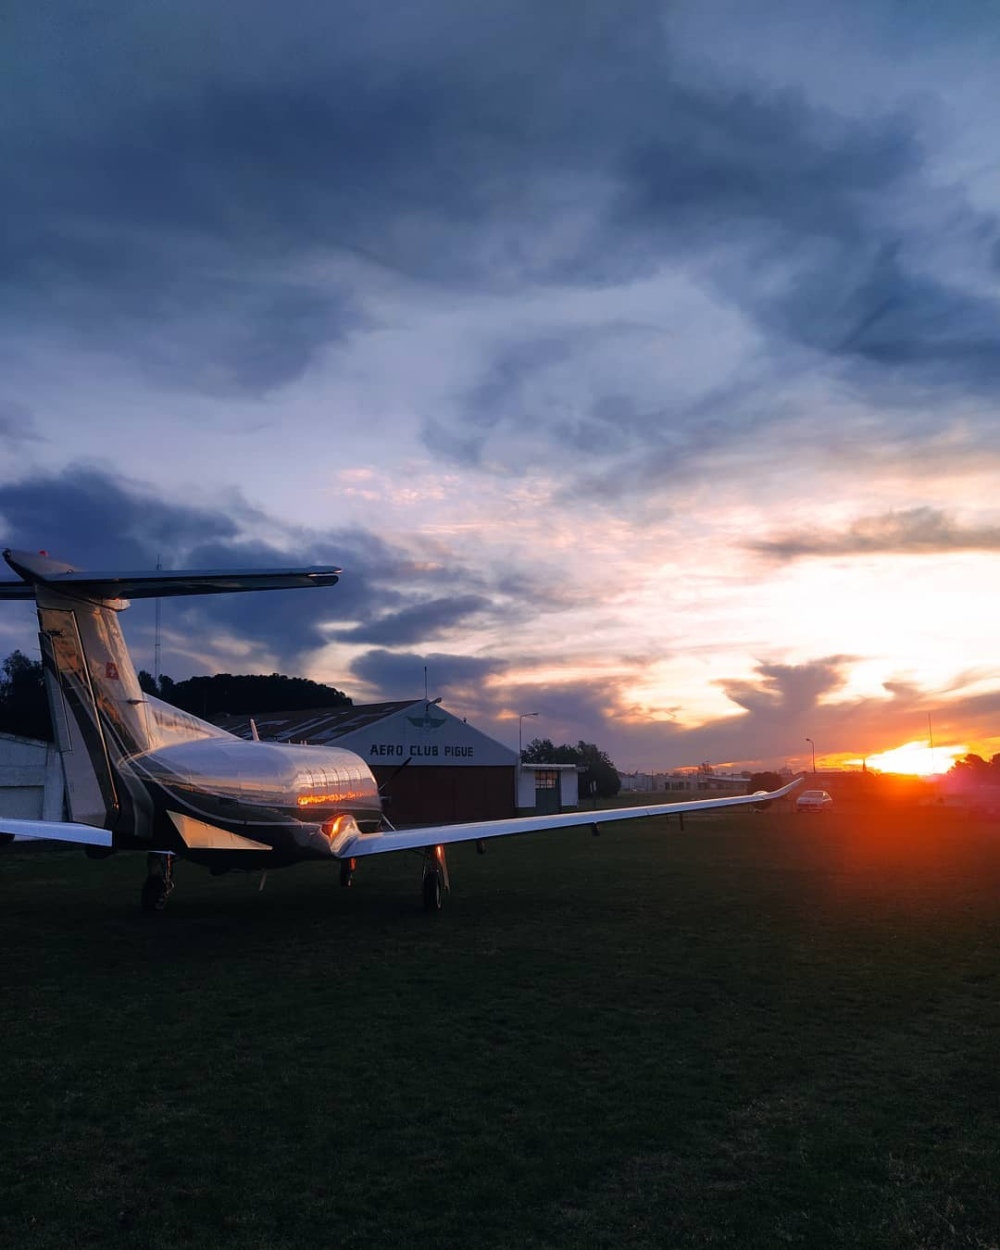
690, 781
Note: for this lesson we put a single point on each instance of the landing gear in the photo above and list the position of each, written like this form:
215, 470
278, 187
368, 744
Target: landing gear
435, 880
347, 867
433, 888
159, 885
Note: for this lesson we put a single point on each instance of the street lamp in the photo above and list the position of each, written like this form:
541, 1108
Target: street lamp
813, 745
520, 724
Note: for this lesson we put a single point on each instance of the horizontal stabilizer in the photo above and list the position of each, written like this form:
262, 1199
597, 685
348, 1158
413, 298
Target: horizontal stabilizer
54, 575
57, 831
352, 845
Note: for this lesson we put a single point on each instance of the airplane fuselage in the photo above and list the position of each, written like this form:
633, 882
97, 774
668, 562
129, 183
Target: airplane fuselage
222, 800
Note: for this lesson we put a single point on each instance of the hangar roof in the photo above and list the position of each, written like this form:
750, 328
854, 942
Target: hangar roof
384, 733
317, 725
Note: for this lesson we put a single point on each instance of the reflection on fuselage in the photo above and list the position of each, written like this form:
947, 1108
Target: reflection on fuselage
311, 783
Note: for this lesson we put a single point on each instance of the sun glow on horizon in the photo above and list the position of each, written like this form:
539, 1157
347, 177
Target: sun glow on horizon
916, 759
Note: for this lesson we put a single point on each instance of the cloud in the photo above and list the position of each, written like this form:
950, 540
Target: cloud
169, 204
388, 596
785, 691
100, 519
449, 675
17, 423
910, 531
420, 622
866, 301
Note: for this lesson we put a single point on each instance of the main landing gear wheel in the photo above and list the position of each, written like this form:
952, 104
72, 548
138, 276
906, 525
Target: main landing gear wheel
435, 879
433, 889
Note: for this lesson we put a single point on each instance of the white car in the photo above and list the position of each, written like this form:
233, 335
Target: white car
813, 801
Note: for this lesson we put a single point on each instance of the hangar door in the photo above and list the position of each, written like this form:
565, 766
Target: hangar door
21, 802
427, 795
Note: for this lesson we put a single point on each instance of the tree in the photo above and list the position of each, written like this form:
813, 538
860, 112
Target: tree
244, 694
24, 706
598, 775
147, 683
544, 751
973, 770
164, 689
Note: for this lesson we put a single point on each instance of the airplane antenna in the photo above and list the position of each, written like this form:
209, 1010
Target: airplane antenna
425, 683
156, 644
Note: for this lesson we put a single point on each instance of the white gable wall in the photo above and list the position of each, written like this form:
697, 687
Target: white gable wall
428, 736
31, 779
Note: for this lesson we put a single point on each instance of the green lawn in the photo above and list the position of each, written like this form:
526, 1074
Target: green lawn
766, 1030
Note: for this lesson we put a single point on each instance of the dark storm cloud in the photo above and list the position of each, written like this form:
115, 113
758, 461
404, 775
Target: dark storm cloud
866, 302
449, 676
913, 531
94, 519
423, 621
98, 521
724, 158
148, 157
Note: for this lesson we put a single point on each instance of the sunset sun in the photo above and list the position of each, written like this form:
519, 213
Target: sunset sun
916, 759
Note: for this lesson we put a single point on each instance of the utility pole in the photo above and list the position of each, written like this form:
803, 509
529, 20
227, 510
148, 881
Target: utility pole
156, 643
520, 724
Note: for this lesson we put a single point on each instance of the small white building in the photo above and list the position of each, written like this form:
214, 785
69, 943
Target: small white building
548, 788
31, 779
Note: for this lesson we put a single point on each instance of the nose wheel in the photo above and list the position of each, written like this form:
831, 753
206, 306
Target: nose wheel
159, 885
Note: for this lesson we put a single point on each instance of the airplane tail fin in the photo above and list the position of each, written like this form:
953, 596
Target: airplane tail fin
100, 715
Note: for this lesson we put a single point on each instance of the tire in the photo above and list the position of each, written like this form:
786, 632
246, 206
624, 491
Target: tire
433, 889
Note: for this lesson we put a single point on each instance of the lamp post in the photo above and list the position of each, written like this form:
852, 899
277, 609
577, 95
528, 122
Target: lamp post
813, 745
520, 724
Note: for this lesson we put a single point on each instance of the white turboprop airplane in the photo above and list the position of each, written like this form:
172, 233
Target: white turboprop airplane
142, 775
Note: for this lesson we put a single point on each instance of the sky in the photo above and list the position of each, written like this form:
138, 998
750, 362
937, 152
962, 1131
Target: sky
638, 362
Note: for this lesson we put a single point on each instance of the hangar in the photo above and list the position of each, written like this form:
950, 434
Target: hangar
431, 766
31, 779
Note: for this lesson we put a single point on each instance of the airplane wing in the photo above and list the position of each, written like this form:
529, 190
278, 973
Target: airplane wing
56, 831
354, 845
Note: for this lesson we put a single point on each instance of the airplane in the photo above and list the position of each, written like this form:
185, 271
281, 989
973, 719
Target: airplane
144, 776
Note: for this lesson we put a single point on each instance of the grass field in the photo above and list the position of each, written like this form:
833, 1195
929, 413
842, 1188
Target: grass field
767, 1030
